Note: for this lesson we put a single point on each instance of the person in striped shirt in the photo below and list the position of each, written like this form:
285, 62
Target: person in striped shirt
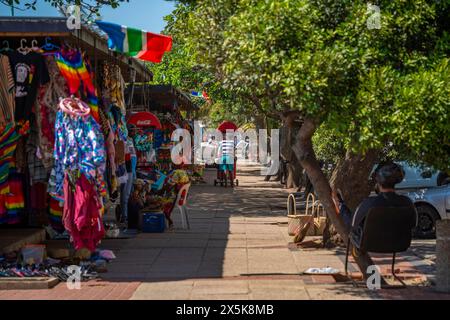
226, 156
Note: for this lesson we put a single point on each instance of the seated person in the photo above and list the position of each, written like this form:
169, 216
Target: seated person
386, 177
136, 204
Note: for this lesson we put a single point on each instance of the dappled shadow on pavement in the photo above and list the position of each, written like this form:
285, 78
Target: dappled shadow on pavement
237, 248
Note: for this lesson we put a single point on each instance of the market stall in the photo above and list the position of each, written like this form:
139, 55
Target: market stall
168, 108
64, 136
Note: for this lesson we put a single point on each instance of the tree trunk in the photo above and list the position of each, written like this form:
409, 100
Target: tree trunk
293, 167
351, 176
304, 151
294, 174
259, 124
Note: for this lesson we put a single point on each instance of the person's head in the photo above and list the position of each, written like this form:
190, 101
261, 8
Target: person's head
139, 185
388, 175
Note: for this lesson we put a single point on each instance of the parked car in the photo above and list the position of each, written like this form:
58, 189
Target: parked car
432, 204
429, 190
418, 177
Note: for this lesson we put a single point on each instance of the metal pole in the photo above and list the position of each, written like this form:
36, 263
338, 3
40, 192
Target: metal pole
12, 10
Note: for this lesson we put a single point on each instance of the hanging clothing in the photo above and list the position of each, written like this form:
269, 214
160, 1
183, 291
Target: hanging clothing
118, 123
78, 74
56, 209
36, 169
38, 205
7, 93
79, 145
9, 138
38, 196
113, 90
30, 71
111, 151
20, 155
130, 157
47, 104
13, 203
82, 212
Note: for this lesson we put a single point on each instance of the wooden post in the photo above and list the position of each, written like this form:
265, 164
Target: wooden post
443, 256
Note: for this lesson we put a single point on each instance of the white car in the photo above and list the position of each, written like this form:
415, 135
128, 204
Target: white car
432, 204
418, 177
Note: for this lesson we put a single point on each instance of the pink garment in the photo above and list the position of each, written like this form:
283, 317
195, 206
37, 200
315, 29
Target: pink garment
81, 216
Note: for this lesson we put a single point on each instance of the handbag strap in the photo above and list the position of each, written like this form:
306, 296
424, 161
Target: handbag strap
310, 204
318, 209
294, 204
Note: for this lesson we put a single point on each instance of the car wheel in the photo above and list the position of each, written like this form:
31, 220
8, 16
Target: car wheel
426, 226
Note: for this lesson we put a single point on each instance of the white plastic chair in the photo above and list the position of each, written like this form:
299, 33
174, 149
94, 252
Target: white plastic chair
181, 203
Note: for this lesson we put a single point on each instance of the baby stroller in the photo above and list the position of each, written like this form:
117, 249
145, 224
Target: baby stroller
221, 176
221, 173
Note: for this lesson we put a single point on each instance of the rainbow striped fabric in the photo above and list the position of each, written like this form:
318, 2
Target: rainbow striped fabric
14, 201
55, 215
75, 69
9, 138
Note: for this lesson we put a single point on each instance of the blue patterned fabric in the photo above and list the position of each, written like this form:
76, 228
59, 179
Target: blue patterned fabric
79, 145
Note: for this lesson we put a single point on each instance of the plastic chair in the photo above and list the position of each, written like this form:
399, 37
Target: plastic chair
386, 230
181, 203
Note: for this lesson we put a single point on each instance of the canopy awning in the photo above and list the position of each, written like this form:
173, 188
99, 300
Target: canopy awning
227, 125
95, 45
144, 119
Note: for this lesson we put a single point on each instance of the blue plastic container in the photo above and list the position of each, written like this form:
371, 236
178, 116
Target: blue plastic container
154, 222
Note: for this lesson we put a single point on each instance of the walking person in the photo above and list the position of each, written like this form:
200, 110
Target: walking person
226, 159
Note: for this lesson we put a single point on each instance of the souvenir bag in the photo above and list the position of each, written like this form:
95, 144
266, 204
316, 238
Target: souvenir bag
298, 224
320, 220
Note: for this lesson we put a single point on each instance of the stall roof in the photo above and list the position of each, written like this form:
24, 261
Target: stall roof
165, 95
57, 27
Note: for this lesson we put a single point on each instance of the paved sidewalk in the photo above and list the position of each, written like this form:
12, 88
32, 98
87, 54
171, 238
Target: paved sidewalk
237, 248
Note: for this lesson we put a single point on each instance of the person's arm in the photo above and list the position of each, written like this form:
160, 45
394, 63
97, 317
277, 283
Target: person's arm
219, 151
361, 212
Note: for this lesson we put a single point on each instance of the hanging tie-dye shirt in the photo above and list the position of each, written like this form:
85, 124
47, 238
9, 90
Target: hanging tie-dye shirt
79, 145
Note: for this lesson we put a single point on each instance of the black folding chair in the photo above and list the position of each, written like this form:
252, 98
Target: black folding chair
386, 230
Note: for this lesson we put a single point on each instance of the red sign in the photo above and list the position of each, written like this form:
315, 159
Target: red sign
145, 119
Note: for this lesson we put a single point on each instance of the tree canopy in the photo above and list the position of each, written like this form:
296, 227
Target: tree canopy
372, 87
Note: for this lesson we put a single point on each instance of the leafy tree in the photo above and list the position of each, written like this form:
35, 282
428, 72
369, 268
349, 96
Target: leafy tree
318, 62
181, 69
